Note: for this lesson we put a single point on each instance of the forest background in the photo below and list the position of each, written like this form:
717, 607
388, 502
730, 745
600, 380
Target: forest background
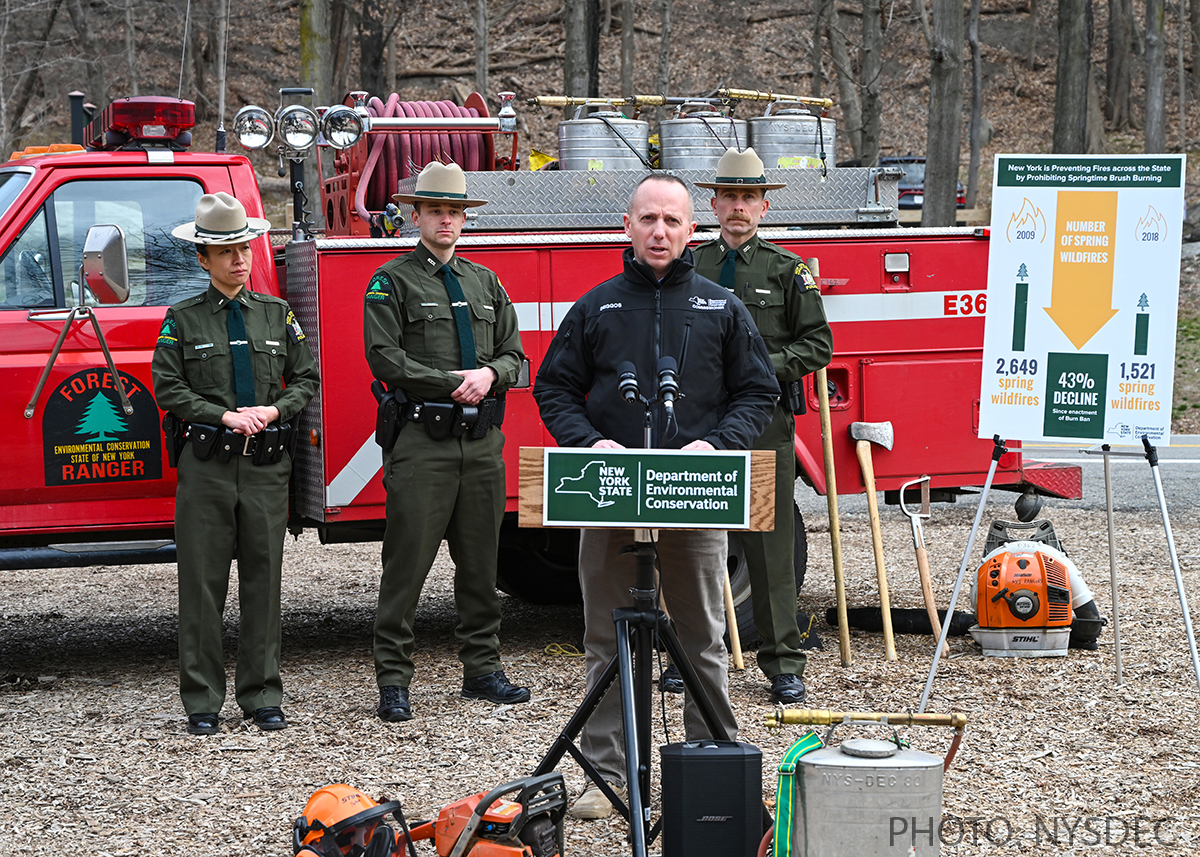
956, 81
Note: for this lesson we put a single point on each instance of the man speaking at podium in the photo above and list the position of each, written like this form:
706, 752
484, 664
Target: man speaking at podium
654, 329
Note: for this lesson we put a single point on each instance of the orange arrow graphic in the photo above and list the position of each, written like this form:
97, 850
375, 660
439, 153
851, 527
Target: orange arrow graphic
1085, 238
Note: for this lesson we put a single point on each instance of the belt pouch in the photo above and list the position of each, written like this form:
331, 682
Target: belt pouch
270, 448
290, 437
439, 419
794, 396
483, 422
230, 444
204, 440
175, 432
464, 418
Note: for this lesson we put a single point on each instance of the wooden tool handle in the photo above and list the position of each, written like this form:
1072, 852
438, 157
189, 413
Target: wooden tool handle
927, 592
835, 531
863, 448
735, 638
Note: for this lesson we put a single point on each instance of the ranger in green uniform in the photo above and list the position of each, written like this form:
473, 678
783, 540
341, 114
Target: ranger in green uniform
220, 365
441, 332
785, 301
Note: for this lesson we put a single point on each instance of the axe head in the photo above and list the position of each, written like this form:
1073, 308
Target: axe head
880, 433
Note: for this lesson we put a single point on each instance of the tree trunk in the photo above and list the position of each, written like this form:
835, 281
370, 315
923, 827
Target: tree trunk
662, 79
480, 14
222, 30
339, 40
1194, 20
575, 70
872, 67
1071, 76
847, 86
923, 17
1156, 74
1182, 79
97, 86
1094, 141
131, 48
976, 103
627, 27
944, 137
819, 17
1119, 64
371, 42
1031, 51
592, 28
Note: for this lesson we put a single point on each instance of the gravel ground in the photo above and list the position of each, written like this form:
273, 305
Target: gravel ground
94, 756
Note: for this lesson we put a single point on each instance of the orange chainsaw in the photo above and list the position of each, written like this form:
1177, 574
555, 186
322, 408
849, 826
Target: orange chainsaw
342, 822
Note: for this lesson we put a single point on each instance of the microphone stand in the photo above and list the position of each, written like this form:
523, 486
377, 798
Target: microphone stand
631, 669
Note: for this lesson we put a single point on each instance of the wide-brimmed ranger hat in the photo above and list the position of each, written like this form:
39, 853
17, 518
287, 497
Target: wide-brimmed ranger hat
440, 182
221, 219
741, 169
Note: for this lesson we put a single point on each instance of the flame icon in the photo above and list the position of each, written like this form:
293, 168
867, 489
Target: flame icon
1152, 227
1027, 224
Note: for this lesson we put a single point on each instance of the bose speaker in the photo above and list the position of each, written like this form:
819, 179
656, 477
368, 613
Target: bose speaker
712, 799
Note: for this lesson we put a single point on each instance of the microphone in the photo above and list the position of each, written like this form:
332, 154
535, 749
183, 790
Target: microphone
627, 381
668, 384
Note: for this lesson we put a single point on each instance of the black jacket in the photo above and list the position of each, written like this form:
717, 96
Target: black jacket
727, 387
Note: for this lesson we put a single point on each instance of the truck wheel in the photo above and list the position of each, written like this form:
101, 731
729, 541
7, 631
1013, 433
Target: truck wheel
539, 566
739, 581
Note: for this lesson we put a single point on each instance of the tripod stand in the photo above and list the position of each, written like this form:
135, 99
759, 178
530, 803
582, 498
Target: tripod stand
630, 670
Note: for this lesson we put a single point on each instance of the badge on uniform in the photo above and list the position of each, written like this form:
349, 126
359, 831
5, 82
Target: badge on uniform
294, 327
806, 276
379, 289
168, 337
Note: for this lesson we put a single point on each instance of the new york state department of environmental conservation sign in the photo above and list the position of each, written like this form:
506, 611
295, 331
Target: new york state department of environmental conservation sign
646, 488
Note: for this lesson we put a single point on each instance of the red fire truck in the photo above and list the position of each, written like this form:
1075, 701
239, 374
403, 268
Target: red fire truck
87, 480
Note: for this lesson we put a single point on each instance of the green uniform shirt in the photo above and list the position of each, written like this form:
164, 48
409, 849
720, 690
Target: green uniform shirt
193, 361
410, 333
784, 298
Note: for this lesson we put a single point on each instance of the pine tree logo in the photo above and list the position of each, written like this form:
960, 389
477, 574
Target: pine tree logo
101, 419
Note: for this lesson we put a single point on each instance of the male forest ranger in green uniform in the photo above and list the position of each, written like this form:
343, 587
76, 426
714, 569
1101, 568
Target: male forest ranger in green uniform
221, 364
785, 301
441, 332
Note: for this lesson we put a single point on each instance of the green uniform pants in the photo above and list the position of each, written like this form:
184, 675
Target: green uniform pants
225, 511
451, 489
771, 562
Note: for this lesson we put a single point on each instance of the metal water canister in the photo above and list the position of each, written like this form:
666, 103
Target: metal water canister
792, 137
868, 798
606, 140
697, 141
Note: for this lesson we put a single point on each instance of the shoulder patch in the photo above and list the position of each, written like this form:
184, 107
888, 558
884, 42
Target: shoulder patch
805, 277
294, 329
168, 336
379, 290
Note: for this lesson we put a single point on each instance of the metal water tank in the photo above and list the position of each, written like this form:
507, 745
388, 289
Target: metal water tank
792, 137
696, 141
606, 140
853, 796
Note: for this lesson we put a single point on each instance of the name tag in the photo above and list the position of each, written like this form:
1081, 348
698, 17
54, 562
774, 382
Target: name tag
487, 306
271, 342
763, 291
433, 304
205, 345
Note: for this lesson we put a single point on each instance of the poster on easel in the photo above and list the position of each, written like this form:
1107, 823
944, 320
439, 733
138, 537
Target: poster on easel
1083, 292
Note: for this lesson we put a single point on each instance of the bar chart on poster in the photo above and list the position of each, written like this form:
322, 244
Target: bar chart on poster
1083, 288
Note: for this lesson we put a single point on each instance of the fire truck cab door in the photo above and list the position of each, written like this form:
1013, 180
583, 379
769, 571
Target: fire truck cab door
80, 461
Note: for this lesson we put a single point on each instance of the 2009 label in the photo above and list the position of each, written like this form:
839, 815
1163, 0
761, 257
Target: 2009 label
967, 304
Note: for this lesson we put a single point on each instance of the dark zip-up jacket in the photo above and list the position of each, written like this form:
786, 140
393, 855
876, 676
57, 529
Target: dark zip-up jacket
727, 386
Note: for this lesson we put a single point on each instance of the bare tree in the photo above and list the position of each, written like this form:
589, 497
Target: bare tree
923, 17
627, 27
592, 28
847, 85
575, 67
1156, 78
1071, 76
93, 62
480, 14
339, 40
131, 48
1119, 65
1031, 52
662, 79
1194, 21
976, 103
945, 110
820, 12
872, 69
316, 56
377, 22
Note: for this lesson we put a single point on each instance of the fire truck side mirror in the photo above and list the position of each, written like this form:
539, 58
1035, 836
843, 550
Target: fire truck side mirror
105, 266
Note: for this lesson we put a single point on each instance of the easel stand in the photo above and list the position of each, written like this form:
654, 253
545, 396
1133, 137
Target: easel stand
1149, 453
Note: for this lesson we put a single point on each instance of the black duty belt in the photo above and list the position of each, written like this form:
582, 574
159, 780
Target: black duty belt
266, 447
454, 419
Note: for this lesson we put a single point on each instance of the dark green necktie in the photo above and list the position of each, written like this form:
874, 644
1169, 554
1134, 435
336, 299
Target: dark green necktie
729, 270
462, 316
243, 369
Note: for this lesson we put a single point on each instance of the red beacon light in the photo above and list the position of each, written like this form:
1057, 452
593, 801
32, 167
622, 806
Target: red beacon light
142, 120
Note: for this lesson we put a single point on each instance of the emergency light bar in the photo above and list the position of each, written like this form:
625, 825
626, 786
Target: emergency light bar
142, 119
